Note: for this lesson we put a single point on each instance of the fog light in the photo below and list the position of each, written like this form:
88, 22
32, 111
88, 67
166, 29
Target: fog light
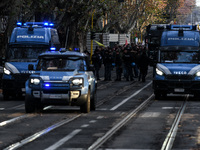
75, 94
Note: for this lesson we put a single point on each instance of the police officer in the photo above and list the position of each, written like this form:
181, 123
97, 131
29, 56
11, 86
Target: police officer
108, 60
143, 63
118, 64
96, 61
128, 59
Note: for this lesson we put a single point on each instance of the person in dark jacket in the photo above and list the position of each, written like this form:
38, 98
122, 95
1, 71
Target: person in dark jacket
143, 63
128, 59
96, 61
118, 64
108, 60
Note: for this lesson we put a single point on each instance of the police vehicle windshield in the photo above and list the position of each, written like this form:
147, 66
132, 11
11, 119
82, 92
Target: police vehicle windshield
179, 57
61, 64
25, 54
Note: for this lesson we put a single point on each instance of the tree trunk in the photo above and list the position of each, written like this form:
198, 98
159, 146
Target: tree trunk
76, 38
12, 19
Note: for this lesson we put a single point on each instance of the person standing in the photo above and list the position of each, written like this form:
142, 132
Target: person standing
143, 63
127, 59
108, 60
96, 61
118, 64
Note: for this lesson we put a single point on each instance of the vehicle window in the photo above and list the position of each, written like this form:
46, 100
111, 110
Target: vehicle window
24, 53
61, 64
179, 57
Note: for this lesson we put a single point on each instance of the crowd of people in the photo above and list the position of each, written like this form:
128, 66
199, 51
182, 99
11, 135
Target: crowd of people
130, 61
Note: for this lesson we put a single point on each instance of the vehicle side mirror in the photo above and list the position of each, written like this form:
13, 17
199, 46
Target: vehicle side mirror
30, 67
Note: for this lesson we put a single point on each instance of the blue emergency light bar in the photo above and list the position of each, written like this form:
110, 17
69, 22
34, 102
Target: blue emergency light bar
42, 24
77, 49
19, 24
46, 24
183, 27
52, 48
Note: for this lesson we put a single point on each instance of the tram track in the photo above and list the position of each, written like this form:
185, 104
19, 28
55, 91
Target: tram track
39, 134
50, 128
169, 140
54, 126
114, 129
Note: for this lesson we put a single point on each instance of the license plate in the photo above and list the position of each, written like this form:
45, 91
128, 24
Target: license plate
55, 96
23, 89
179, 90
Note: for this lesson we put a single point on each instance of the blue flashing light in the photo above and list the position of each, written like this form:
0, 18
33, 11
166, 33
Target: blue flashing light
51, 24
52, 48
47, 85
46, 24
19, 24
76, 49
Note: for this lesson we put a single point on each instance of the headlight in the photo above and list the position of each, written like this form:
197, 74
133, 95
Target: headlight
198, 74
77, 81
35, 81
159, 72
6, 71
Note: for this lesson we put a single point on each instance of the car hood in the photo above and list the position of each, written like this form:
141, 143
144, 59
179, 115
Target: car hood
19, 67
178, 69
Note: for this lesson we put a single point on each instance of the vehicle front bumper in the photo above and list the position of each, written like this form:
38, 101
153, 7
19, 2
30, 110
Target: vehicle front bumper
63, 95
179, 87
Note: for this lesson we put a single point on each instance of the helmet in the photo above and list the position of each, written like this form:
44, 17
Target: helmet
70, 49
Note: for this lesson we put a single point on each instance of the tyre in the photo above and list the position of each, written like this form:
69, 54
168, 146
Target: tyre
197, 96
5, 95
39, 105
30, 104
157, 96
85, 108
93, 101
160, 96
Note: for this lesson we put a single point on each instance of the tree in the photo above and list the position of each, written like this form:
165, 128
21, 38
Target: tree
73, 17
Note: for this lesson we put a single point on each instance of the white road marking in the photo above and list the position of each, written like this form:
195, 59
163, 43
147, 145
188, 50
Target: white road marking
85, 126
151, 114
93, 121
12, 120
170, 107
134, 94
63, 140
39, 134
100, 117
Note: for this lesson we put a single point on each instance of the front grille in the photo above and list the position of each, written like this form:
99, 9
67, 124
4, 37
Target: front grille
179, 77
55, 88
55, 91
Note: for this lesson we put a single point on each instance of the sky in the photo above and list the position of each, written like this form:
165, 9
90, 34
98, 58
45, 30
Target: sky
198, 2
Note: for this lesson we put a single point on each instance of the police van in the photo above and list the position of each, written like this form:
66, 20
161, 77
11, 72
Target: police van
27, 41
61, 78
178, 64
